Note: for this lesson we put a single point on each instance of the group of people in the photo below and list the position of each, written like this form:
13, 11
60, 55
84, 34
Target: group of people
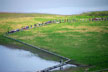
29, 27
99, 19
55, 21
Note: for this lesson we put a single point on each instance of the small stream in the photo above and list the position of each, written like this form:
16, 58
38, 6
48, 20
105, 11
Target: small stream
20, 60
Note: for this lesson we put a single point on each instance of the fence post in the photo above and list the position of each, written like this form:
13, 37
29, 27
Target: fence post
34, 25
60, 20
64, 20
89, 19
61, 62
67, 20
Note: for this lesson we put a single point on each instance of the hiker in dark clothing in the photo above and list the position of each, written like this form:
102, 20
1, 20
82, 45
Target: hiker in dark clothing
59, 20
89, 19
64, 20
35, 25
61, 62
102, 19
31, 26
12, 31
17, 30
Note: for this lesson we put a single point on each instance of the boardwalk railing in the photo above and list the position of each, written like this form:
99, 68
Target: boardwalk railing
54, 67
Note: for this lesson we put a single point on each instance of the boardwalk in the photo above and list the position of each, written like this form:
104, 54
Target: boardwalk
56, 66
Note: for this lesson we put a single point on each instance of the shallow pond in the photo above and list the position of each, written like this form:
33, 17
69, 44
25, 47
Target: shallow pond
20, 60
17, 60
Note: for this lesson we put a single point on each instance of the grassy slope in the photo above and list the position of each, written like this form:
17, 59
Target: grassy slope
9, 21
85, 42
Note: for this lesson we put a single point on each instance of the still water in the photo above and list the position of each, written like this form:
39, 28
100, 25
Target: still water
18, 60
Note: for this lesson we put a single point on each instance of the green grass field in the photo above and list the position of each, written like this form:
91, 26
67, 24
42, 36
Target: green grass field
86, 42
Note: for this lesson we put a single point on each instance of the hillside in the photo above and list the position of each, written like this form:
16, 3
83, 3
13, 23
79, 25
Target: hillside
96, 13
82, 41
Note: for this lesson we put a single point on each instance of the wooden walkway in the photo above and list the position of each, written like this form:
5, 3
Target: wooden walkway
54, 67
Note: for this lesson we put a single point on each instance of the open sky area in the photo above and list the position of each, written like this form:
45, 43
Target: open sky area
64, 7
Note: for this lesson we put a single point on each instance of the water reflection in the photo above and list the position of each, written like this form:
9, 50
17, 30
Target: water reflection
18, 60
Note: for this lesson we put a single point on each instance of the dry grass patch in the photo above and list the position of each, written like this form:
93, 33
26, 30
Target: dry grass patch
48, 39
33, 36
13, 36
15, 23
41, 35
85, 29
87, 34
61, 31
72, 35
47, 17
27, 37
2, 30
21, 19
69, 27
